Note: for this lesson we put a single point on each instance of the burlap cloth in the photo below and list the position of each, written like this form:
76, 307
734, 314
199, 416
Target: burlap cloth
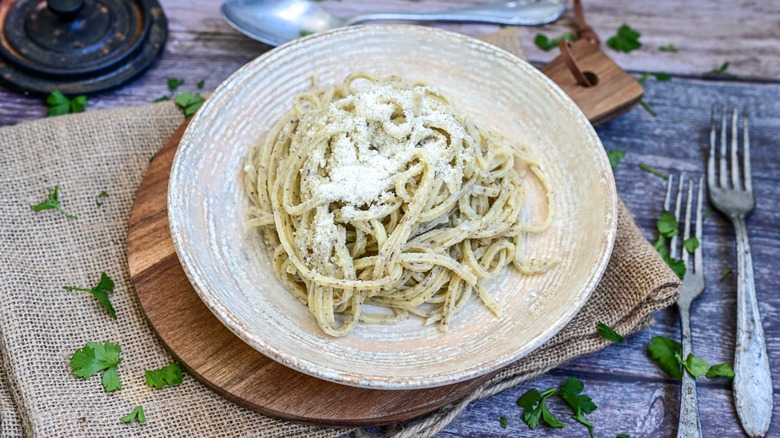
41, 325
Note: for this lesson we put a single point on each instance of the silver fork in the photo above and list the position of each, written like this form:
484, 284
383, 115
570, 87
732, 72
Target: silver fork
692, 286
752, 380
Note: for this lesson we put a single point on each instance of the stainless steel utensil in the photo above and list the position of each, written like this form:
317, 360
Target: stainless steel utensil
276, 22
735, 199
692, 286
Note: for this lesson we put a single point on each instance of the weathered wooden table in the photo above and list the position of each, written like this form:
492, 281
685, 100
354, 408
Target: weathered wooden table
632, 395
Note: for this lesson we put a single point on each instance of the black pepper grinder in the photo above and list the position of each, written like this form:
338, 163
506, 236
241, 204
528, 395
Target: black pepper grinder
78, 46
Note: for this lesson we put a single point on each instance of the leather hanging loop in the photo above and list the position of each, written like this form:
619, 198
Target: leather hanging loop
584, 31
571, 64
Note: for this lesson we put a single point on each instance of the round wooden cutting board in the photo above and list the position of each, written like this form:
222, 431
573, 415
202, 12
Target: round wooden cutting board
224, 363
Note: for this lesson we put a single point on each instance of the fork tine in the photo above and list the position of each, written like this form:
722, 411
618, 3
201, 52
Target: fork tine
697, 255
687, 227
734, 146
746, 151
713, 141
722, 176
668, 198
677, 208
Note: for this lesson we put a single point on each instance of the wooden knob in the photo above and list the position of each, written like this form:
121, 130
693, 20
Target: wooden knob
66, 10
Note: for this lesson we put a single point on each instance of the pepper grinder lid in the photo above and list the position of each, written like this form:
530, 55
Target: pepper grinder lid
78, 46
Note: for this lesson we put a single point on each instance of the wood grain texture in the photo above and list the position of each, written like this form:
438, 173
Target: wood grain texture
219, 359
632, 394
707, 32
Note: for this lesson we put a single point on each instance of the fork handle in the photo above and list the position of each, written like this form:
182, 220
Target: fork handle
690, 425
752, 379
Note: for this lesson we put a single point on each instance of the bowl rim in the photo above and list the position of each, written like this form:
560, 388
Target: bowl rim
386, 382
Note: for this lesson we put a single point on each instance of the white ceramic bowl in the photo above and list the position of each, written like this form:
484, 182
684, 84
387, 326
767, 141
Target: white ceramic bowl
229, 265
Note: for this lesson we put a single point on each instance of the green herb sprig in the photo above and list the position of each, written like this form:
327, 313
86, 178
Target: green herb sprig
52, 202
136, 415
98, 357
666, 353
545, 43
625, 40
60, 104
100, 292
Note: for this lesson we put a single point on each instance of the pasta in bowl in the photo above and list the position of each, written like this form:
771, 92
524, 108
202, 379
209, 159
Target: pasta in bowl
254, 286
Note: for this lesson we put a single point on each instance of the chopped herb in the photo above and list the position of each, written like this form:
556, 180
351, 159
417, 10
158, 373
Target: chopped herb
581, 404
152, 157
622, 435
174, 84
677, 266
502, 422
721, 71
691, 244
706, 214
170, 374
547, 44
102, 194
662, 350
608, 333
306, 33
96, 357
100, 292
695, 365
625, 40
659, 76
201, 84
535, 408
667, 225
649, 169
669, 48
59, 104
615, 157
161, 99
720, 370
137, 415
189, 103
52, 202
726, 273
648, 109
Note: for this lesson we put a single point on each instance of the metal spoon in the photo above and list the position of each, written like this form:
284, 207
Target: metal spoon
277, 21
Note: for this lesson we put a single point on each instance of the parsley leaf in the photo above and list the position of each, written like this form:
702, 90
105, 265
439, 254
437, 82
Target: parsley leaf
201, 84
662, 350
59, 104
52, 202
726, 273
545, 43
667, 225
615, 157
695, 365
137, 414
721, 71
96, 357
647, 108
305, 32
581, 404
622, 435
502, 422
161, 99
659, 76
102, 194
170, 374
174, 83
189, 103
608, 333
720, 370
669, 48
677, 266
649, 169
691, 244
100, 292
625, 40
532, 416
